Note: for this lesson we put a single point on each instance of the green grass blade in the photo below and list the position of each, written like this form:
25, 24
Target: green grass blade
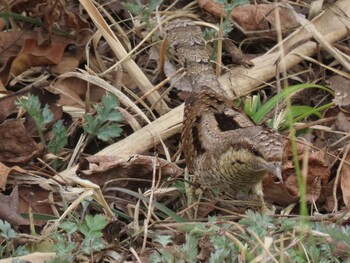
271, 104
161, 207
301, 112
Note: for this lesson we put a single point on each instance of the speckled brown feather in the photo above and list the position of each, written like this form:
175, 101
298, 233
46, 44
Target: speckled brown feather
223, 148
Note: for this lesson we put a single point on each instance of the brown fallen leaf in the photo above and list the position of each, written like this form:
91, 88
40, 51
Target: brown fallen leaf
8, 106
73, 91
340, 86
122, 169
9, 209
12, 42
15, 144
5, 171
277, 192
252, 18
334, 139
131, 171
345, 182
22, 50
37, 199
32, 55
62, 14
318, 174
262, 17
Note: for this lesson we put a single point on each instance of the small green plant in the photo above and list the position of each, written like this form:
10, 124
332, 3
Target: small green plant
222, 250
105, 124
212, 34
42, 117
229, 5
7, 248
68, 243
143, 11
260, 224
224, 242
257, 111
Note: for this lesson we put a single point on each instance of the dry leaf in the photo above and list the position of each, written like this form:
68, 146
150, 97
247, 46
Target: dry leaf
101, 169
33, 55
318, 174
182, 84
37, 198
5, 171
9, 209
73, 91
340, 86
15, 144
254, 17
262, 17
8, 106
345, 182
334, 140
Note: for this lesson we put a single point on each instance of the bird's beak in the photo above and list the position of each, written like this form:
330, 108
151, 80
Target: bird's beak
276, 169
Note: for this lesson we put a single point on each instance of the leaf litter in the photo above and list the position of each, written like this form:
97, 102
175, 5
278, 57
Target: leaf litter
62, 54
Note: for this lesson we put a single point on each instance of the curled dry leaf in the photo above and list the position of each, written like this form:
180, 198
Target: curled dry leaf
345, 182
5, 171
318, 174
122, 169
277, 192
15, 144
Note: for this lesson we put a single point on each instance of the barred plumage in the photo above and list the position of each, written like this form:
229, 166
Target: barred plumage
223, 148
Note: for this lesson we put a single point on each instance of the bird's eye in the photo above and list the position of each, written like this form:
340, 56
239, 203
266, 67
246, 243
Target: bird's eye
256, 152
239, 162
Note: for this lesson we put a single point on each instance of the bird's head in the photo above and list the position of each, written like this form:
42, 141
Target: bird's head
245, 159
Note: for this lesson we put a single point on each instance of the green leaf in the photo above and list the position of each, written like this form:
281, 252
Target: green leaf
92, 125
300, 112
96, 222
69, 227
109, 131
289, 91
260, 224
109, 102
115, 116
153, 4
191, 247
229, 5
60, 138
106, 112
161, 207
47, 114
92, 244
6, 230
164, 240
62, 246
31, 104
134, 9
